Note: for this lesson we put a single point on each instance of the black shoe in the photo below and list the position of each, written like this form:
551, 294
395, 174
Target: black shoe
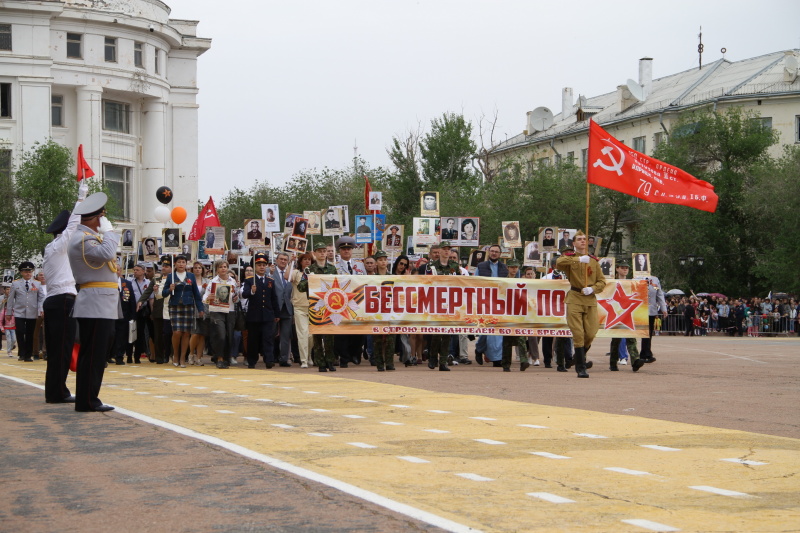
637, 365
568, 364
444, 368
615, 368
270, 365
70, 399
506, 370
389, 368
120, 362
479, 357
251, 366
548, 365
343, 365
464, 361
582, 374
284, 364
430, 364
323, 369
29, 360
589, 365
101, 409
650, 359
560, 368
497, 363
220, 365
331, 368
357, 360
407, 362
524, 366
130, 360
381, 369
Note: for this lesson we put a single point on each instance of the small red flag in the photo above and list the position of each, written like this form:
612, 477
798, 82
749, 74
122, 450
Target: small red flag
207, 217
84, 170
614, 166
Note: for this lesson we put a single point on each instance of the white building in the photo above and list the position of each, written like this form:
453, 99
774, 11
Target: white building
641, 113
118, 77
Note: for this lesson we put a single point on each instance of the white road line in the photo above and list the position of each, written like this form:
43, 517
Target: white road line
160, 396
283, 426
167, 381
722, 492
263, 400
474, 477
627, 471
245, 380
437, 411
126, 389
182, 384
436, 431
200, 388
320, 434
310, 392
482, 418
392, 423
199, 405
321, 410
253, 418
180, 401
399, 406
489, 441
412, 459
225, 412
550, 455
728, 354
660, 448
590, 436
367, 401
142, 392
532, 426
337, 396
649, 524
361, 445
744, 462
552, 498
354, 416
242, 395
219, 392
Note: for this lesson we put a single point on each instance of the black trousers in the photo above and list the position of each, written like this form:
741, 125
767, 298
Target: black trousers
646, 352
260, 337
547, 350
121, 346
141, 346
96, 335
25, 329
59, 332
348, 347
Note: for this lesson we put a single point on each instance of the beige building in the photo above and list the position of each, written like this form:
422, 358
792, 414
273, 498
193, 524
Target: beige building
642, 113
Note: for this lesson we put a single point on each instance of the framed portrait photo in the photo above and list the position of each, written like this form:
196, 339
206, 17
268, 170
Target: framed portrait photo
365, 226
271, 218
547, 238
608, 266
511, 234
393, 238
332, 223
532, 255
171, 240
375, 201
314, 225
151, 251
641, 264
470, 231
429, 204
127, 239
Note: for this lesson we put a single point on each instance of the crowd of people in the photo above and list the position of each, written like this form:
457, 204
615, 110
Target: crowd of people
752, 317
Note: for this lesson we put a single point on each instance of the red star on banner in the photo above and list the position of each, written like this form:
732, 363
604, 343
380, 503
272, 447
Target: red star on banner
335, 302
627, 304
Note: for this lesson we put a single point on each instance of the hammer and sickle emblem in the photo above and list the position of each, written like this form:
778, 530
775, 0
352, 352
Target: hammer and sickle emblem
615, 166
336, 300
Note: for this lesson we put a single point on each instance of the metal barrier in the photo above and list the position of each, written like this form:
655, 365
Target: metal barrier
753, 326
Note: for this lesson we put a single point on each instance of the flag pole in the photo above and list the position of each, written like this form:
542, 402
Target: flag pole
584, 270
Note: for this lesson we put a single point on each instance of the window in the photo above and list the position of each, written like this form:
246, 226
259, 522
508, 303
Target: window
658, 138
558, 160
571, 157
797, 129
5, 166
111, 50
5, 37
5, 100
138, 55
156, 54
584, 159
116, 116
57, 110
639, 144
764, 122
543, 162
117, 180
75, 45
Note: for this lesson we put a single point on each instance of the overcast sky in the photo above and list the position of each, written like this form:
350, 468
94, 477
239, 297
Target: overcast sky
294, 85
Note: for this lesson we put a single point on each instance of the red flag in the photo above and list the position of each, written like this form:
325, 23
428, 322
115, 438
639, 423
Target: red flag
613, 165
207, 217
84, 170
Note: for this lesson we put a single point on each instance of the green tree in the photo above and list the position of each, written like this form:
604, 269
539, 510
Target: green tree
44, 186
447, 151
724, 149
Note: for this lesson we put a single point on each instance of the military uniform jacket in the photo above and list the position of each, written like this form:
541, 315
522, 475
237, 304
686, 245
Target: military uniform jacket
263, 306
92, 258
127, 300
450, 269
358, 268
329, 269
25, 304
582, 275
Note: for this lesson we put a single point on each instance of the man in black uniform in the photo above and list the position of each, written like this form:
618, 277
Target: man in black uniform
262, 313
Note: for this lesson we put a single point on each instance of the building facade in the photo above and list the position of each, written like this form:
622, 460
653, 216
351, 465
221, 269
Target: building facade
118, 77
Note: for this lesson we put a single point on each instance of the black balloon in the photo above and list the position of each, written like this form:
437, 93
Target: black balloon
164, 194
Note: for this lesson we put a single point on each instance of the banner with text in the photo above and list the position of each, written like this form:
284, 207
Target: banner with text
466, 305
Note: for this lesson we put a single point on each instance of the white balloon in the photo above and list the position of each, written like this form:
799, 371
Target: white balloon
162, 214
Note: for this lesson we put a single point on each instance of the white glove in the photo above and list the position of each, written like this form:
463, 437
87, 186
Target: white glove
83, 190
587, 290
584, 259
105, 225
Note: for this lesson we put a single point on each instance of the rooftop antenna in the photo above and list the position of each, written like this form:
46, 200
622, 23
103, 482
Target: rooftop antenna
700, 49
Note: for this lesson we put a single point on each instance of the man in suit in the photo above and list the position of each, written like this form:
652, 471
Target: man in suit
393, 240
450, 232
262, 313
255, 231
491, 268
285, 309
532, 251
656, 304
92, 253
564, 241
127, 302
26, 301
210, 239
331, 222
236, 240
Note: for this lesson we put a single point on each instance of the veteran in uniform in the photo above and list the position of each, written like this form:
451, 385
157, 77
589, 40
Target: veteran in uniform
263, 312
323, 344
440, 344
59, 326
348, 348
25, 300
586, 280
92, 256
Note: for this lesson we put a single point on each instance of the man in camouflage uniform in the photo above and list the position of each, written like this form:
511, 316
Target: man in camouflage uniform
510, 342
383, 347
586, 280
323, 344
440, 344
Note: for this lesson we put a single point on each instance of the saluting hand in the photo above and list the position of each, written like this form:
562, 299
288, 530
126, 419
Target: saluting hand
584, 259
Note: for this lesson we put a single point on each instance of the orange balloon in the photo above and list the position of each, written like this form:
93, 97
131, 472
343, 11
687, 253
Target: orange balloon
178, 215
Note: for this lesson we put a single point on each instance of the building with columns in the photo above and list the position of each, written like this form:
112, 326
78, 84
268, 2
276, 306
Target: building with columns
118, 77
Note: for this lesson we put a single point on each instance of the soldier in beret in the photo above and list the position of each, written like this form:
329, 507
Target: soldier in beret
586, 280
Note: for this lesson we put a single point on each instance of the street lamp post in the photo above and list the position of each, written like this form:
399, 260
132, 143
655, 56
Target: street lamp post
692, 264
